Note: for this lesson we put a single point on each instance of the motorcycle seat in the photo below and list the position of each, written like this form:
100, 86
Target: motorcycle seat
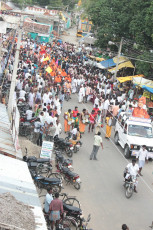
31, 158
61, 139
52, 180
43, 160
68, 161
67, 143
71, 174
65, 169
71, 208
32, 164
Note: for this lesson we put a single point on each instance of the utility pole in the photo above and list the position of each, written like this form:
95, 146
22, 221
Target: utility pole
15, 66
118, 57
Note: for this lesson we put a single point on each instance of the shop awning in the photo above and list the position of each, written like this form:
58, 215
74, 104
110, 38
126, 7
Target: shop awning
106, 64
128, 78
144, 83
100, 59
127, 64
112, 62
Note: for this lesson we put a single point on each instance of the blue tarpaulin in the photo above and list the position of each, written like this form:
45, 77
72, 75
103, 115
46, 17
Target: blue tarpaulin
147, 88
108, 63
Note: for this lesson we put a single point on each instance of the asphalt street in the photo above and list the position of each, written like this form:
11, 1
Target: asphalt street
102, 193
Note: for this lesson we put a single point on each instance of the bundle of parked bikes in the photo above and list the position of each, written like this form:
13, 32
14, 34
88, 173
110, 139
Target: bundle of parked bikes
42, 173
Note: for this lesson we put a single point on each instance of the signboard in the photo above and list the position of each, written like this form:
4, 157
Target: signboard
139, 119
47, 149
30, 26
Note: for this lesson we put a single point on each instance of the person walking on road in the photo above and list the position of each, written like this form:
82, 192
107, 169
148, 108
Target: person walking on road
142, 155
97, 143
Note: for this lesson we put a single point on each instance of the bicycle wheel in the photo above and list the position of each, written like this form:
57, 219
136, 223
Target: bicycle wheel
72, 202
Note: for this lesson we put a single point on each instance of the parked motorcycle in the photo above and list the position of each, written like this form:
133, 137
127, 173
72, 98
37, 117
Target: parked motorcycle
59, 159
25, 128
45, 182
38, 165
76, 213
61, 144
70, 177
23, 119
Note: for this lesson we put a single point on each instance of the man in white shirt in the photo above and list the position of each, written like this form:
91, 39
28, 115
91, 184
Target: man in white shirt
58, 127
22, 94
37, 126
45, 97
142, 155
133, 170
48, 200
97, 143
106, 105
29, 114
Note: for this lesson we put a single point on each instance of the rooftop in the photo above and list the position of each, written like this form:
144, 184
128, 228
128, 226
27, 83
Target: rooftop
16, 179
7, 146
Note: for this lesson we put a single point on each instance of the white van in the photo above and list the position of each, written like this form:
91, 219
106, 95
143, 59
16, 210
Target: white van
133, 132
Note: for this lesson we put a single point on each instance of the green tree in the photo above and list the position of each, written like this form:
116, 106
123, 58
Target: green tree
114, 19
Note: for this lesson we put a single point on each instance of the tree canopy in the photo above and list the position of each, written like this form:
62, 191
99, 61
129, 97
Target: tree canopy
114, 19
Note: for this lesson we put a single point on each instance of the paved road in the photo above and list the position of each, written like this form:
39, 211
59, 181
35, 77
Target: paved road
71, 36
102, 191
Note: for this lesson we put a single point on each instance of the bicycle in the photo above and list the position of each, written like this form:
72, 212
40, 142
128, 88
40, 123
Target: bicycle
69, 200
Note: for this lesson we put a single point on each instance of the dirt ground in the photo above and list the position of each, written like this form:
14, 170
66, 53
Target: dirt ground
33, 150
15, 213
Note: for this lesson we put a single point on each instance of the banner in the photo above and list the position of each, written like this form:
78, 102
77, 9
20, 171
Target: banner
36, 27
47, 149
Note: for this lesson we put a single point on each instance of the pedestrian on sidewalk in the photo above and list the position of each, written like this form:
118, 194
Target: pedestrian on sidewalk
142, 155
97, 143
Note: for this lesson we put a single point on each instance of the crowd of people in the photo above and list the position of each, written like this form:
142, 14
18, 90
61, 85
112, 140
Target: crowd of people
49, 73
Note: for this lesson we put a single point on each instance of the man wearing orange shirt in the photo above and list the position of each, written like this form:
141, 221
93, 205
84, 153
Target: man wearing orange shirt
58, 79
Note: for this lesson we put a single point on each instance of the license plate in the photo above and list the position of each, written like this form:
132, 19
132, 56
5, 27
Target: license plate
71, 148
78, 180
134, 153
